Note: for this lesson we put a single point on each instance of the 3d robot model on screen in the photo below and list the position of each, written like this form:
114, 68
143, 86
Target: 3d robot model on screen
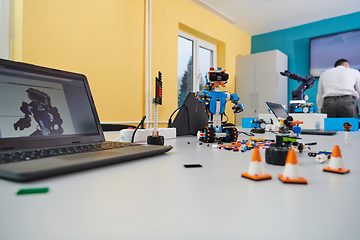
46, 116
215, 103
298, 102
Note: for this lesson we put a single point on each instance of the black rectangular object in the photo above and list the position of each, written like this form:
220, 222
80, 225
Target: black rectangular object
192, 166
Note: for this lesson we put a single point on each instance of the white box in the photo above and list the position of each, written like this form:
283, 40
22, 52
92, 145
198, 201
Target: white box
311, 120
142, 134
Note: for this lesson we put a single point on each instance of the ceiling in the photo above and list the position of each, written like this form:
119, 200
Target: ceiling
261, 16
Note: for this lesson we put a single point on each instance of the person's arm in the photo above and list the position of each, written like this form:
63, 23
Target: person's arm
319, 99
357, 87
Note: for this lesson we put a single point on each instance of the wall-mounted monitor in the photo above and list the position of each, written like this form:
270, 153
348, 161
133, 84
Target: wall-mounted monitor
326, 50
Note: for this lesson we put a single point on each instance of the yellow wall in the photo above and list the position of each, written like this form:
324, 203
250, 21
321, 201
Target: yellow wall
105, 40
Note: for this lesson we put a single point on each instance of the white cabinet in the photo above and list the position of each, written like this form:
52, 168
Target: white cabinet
258, 80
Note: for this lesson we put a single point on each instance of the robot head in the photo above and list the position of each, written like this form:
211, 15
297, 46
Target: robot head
38, 97
215, 77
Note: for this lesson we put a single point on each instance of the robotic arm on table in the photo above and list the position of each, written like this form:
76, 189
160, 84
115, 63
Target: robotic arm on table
307, 83
298, 100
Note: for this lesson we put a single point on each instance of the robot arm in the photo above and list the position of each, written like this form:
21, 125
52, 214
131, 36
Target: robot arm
24, 122
202, 96
238, 107
307, 83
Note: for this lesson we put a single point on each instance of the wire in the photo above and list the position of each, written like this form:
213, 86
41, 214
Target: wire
141, 123
227, 118
170, 121
247, 134
188, 118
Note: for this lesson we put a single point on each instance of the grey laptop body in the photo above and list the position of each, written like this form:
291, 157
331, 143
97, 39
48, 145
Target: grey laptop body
49, 125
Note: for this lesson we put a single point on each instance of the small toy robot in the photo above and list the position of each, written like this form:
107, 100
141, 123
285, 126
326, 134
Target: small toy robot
258, 126
298, 101
287, 138
215, 102
47, 116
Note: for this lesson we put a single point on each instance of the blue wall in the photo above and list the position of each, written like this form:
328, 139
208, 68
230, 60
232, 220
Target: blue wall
294, 42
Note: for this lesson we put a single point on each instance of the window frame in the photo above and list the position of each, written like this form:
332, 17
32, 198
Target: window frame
6, 28
197, 43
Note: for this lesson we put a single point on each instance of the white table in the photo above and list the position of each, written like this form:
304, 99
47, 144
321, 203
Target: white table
157, 198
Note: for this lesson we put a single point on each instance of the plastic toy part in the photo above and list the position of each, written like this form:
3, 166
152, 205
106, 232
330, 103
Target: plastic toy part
207, 135
32, 191
159, 140
336, 164
256, 169
301, 108
192, 166
258, 126
291, 172
158, 89
321, 158
277, 153
347, 127
231, 134
156, 139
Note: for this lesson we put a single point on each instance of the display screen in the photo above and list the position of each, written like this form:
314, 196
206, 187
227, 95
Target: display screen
326, 50
40, 105
278, 110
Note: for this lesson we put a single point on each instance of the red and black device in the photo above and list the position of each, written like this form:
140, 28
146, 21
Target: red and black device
155, 138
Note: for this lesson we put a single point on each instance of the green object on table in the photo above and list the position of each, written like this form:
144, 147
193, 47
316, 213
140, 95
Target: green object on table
32, 191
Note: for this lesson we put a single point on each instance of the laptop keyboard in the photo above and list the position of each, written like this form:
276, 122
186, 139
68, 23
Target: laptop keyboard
18, 156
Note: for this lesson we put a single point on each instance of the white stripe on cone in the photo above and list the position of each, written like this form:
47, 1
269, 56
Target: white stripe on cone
336, 163
291, 171
256, 168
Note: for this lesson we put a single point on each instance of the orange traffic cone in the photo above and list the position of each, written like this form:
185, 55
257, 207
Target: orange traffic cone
291, 172
336, 164
256, 168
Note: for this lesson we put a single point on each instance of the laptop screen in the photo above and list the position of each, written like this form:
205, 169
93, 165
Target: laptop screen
278, 110
44, 103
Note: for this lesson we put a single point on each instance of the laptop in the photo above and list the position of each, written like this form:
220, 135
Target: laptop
279, 111
49, 125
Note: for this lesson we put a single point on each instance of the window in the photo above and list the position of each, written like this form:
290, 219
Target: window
193, 52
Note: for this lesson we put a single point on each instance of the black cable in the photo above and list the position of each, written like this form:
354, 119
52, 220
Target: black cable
170, 121
141, 123
227, 118
188, 118
247, 134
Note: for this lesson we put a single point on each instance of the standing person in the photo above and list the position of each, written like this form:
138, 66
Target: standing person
338, 89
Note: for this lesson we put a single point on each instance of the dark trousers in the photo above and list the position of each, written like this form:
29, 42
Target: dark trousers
340, 106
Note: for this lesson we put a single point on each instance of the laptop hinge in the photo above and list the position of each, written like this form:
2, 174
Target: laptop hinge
7, 148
